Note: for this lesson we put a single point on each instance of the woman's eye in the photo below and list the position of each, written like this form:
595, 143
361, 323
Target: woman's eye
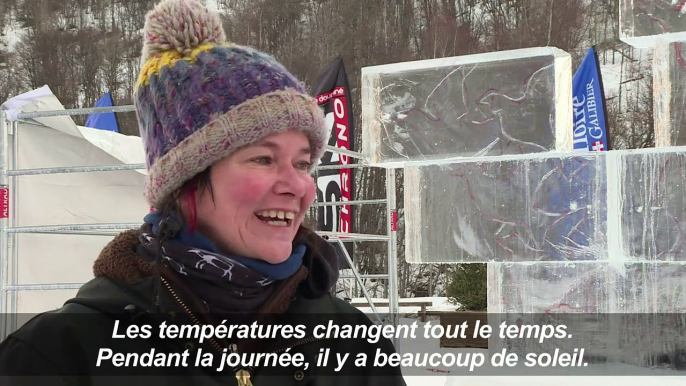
263, 160
304, 165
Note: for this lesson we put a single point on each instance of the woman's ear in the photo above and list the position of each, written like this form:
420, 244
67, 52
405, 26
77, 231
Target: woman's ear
186, 205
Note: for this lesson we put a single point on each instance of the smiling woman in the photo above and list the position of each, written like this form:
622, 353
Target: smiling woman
231, 138
260, 196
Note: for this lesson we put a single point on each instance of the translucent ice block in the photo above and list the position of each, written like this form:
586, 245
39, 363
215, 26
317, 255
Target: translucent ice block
642, 23
546, 287
653, 204
587, 287
536, 293
524, 209
620, 312
669, 93
501, 103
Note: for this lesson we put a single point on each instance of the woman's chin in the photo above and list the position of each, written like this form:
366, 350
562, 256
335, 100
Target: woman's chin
275, 254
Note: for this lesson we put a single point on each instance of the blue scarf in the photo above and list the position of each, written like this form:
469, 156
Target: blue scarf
279, 271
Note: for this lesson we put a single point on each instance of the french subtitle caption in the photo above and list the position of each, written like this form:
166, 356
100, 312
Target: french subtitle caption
332, 333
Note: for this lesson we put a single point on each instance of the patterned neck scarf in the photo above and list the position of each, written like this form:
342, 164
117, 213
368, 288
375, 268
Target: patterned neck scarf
224, 283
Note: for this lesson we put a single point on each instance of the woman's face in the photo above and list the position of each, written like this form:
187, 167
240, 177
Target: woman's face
261, 193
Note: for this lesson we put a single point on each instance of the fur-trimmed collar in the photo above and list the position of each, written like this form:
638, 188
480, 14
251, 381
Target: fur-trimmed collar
121, 260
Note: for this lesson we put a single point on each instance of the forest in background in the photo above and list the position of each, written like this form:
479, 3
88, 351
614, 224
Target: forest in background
82, 49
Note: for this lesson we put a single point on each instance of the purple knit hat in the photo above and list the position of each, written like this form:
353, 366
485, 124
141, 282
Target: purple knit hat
199, 98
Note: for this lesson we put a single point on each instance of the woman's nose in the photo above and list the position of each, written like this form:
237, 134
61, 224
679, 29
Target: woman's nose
291, 181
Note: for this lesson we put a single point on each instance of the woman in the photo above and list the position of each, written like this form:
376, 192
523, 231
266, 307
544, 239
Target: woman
231, 138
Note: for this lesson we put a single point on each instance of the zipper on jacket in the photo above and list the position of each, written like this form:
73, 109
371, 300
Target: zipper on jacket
283, 349
195, 320
242, 374
297, 343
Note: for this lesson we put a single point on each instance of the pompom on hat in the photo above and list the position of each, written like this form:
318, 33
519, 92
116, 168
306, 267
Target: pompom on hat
199, 98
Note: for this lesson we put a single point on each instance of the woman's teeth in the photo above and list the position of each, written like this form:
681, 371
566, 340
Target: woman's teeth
276, 217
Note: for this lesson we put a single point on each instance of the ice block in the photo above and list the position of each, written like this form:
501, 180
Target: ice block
643, 23
533, 208
551, 287
630, 313
653, 204
669, 93
587, 287
500, 103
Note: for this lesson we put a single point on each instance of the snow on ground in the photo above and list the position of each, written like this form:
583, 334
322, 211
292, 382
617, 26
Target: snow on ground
212, 5
487, 375
10, 34
438, 304
542, 380
444, 376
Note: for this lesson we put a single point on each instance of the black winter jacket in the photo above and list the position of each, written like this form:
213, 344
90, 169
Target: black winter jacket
61, 347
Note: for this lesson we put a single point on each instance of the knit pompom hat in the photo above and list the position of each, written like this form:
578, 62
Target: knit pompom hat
199, 98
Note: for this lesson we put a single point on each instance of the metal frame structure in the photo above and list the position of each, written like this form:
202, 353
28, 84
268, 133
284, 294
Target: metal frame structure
9, 254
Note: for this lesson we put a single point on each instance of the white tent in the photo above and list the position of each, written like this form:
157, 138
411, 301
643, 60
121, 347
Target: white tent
64, 199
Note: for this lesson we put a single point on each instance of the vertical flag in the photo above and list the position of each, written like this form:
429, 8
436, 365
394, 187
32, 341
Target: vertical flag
103, 121
590, 114
333, 96
574, 228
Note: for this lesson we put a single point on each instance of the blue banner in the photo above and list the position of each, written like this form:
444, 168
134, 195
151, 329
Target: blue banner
103, 121
590, 125
570, 236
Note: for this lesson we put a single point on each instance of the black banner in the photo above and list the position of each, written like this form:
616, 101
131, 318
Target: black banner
333, 95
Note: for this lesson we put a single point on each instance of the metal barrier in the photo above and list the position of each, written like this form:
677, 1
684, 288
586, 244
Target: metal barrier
9, 254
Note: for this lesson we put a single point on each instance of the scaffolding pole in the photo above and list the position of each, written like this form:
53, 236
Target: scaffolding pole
74, 169
4, 246
392, 227
14, 242
84, 111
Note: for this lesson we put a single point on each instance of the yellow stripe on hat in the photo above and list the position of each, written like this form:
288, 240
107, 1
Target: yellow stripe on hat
168, 59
